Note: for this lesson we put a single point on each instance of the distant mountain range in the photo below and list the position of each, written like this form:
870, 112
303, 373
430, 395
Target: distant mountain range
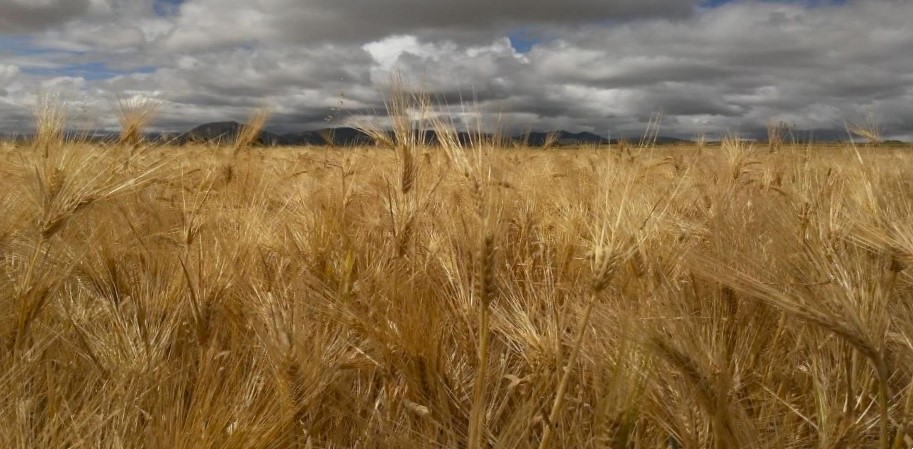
226, 131
344, 136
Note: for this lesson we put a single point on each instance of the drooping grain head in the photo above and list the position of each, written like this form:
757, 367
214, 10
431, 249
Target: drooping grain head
134, 113
249, 133
50, 122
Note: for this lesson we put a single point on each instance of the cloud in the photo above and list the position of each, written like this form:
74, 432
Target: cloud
7, 73
109, 26
206, 23
29, 16
595, 65
17, 16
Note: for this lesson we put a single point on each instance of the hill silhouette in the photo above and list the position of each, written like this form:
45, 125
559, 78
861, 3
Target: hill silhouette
346, 136
225, 132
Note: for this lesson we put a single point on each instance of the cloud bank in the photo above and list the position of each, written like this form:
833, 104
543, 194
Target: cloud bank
581, 65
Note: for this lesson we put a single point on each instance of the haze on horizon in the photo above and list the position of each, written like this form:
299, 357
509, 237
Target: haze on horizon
581, 65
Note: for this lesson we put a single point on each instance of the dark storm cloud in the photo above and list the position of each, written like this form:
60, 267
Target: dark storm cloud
371, 20
361, 21
19, 16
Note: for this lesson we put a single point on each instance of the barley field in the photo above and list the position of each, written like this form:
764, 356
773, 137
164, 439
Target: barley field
456, 295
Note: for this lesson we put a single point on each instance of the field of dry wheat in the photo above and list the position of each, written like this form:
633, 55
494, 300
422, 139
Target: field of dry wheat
460, 295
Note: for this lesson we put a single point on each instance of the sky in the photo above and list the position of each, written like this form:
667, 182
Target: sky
712, 67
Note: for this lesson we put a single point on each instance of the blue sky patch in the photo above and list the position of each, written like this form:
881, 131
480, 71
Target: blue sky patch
522, 41
22, 46
90, 71
167, 7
